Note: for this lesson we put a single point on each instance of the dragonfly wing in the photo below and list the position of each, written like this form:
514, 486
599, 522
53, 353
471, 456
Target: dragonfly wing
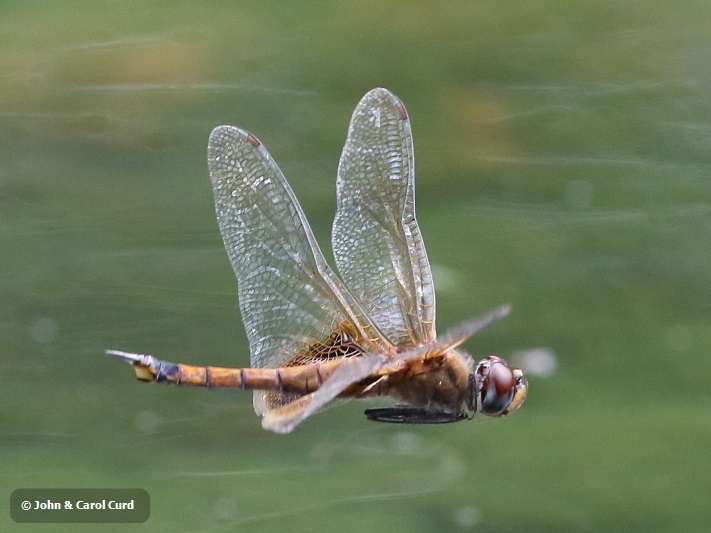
376, 241
451, 338
289, 298
286, 418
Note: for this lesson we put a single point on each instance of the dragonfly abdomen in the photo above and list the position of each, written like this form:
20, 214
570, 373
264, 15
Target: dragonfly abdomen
301, 379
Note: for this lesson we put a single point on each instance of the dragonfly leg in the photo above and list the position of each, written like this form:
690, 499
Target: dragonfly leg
403, 414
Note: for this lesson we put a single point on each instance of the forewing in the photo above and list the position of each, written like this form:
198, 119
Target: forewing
376, 241
451, 339
289, 297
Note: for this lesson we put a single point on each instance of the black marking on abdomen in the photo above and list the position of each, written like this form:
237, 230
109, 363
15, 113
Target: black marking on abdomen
167, 372
208, 376
280, 380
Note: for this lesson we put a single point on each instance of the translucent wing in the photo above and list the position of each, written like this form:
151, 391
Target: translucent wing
289, 298
286, 418
376, 240
452, 338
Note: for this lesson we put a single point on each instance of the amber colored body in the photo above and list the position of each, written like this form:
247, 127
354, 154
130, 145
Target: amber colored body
315, 336
440, 380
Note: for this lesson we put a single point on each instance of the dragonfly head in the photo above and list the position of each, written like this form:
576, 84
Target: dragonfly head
498, 389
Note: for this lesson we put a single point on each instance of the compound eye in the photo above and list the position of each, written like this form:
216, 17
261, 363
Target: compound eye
498, 389
501, 376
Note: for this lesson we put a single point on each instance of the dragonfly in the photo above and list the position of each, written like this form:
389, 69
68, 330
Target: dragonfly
316, 337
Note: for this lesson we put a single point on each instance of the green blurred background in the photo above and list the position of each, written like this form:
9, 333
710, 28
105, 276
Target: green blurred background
564, 166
